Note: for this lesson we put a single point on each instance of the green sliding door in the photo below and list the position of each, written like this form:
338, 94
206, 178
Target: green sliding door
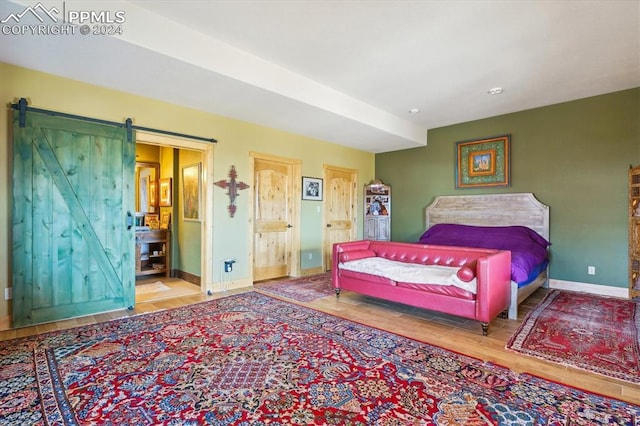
72, 241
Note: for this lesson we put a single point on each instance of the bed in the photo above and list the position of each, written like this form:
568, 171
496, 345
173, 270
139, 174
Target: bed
493, 210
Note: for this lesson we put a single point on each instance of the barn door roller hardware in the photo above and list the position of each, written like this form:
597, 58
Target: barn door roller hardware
23, 106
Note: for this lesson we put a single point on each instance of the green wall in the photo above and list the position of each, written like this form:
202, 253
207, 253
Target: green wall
188, 236
573, 156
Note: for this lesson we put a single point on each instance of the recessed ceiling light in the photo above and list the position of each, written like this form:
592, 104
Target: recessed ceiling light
414, 110
495, 91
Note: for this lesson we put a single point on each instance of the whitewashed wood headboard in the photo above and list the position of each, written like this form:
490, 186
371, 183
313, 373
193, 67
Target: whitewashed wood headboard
490, 210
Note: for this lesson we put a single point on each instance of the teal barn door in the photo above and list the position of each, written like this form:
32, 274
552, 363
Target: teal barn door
73, 244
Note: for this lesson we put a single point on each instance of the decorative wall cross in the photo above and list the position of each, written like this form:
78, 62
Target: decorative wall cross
233, 187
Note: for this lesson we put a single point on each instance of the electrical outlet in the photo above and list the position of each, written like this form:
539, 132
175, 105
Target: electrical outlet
591, 270
310, 256
8, 293
228, 265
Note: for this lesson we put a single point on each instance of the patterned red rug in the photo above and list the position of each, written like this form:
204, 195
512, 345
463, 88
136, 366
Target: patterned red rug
593, 333
304, 289
253, 359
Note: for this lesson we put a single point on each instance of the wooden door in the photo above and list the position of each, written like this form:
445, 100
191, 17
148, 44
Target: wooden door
273, 218
340, 208
72, 249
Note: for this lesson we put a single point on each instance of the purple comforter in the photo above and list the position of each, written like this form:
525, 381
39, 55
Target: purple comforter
528, 248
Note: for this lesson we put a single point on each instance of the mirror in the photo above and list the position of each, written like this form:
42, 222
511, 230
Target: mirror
147, 175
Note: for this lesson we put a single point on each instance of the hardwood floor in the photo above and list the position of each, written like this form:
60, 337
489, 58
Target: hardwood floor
447, 331
153, 289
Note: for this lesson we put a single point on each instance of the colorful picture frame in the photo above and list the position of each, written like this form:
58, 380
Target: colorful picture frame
153, 191
165, 220
483, 162
191, 183
152, 221
166, 198
311, 188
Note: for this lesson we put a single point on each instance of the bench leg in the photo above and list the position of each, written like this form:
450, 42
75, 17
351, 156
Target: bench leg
485, 328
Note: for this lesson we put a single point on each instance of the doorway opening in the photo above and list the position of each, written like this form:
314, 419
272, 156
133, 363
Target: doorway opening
177, 277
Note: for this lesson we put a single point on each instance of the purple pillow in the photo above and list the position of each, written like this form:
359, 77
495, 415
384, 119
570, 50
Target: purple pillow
528, 248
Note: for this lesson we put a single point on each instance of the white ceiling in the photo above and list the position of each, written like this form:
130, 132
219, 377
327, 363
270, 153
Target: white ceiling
348, 71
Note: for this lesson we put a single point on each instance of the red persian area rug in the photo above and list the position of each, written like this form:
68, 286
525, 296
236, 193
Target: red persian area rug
251, 359
305, 289
593, 333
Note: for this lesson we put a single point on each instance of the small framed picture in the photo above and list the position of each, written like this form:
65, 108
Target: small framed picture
165, 220
191, 192
165, 192
311, 188
153, 192
152, 221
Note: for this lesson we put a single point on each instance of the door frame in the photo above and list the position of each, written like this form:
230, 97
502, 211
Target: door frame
296, 196
206, 224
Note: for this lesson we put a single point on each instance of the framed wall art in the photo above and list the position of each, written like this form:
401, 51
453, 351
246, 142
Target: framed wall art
165, 220
153, 191
191, 192
165, 192
311, 188
483, 162
152, 221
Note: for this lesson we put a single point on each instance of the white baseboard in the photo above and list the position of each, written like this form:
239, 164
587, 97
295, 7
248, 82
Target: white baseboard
603, 290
